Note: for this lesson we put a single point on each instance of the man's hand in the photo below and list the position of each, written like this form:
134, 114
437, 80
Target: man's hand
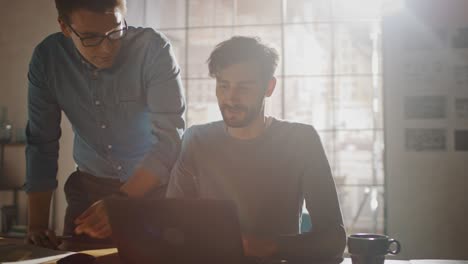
94, 222
258, 247
42, 238
141, 182
38, 221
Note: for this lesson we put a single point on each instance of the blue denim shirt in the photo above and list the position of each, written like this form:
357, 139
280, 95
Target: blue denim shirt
125, 117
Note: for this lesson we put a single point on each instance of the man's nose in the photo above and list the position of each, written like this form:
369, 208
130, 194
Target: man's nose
107, 46
232, 96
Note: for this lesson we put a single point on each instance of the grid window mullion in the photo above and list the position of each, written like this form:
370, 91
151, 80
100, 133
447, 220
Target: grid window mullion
321, 82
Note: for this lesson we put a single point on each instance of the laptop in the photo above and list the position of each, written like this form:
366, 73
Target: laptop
175, 231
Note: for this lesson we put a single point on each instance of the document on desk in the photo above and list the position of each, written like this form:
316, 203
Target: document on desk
387, 261
28, 254
416, 261
45, 260
438, 261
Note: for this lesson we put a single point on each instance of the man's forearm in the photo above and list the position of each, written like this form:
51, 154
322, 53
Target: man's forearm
39, 207
141, 182
326, 244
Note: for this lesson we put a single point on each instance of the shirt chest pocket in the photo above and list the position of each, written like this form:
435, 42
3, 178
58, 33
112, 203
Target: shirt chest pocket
128, 96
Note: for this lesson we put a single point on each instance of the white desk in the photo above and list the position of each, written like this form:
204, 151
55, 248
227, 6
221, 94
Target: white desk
416, 261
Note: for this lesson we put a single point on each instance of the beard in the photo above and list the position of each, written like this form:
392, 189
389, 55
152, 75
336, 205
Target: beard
239, 116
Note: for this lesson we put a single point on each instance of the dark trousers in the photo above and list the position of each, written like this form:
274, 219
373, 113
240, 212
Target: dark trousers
83, 189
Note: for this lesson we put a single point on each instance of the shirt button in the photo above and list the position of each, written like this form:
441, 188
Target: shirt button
97, 102
109, 146
119, 168
103, 126
94, 75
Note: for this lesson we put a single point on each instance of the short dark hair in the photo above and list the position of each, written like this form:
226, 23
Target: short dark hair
66, 7
243, 49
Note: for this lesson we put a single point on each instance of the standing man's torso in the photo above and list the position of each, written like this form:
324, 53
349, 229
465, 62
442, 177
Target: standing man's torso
107, 108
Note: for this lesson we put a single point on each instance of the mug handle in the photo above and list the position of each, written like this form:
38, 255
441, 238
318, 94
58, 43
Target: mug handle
398, 246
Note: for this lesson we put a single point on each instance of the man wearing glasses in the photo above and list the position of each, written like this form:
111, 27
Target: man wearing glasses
120, 87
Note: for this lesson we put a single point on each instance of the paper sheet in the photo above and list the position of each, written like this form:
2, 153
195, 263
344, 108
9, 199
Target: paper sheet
95, 253
12, 253
387, 261
51, 259
100, 252
416, 261
438, 261
55, 258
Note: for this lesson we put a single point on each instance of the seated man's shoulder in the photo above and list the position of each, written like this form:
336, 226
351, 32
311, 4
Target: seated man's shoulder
297, 129
204, 132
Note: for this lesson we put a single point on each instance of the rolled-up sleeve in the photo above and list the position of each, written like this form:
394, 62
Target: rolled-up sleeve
43, 129
183, 183
167, 106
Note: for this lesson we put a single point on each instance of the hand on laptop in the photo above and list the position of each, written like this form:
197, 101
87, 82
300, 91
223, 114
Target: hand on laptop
258, 247
42, 238
94, 221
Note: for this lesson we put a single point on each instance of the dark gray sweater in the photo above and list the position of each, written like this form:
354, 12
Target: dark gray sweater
267, 177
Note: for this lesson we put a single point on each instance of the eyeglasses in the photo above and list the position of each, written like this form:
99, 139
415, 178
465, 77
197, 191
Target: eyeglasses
96, 40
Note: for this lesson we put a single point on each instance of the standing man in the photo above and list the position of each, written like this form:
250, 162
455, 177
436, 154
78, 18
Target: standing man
266, 166
120, 87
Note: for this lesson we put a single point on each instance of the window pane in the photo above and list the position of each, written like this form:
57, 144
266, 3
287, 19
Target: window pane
211, 12
135, 11
378, 102
165, 14
362, 208
201, 43
307, 49
268, 34
356, 157
379, 156
331, 71
308, 100
328, 141
202, 106
357, 48
177, 39
307, 10
234, 12
257, 12
357, 9
354, 97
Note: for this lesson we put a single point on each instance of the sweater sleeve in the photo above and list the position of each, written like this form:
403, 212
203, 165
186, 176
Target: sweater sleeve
327, 238
183, 182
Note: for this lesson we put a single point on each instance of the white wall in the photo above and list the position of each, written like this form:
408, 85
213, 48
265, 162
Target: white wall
427, 207
23, 24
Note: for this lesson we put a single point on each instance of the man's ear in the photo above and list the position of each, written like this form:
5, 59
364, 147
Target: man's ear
63, 26
271, 87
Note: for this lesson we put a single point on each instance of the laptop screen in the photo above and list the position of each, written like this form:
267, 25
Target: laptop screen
179, 231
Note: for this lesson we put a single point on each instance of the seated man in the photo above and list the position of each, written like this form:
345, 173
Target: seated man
268, 167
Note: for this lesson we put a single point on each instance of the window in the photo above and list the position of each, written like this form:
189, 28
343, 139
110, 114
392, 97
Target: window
329, 76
